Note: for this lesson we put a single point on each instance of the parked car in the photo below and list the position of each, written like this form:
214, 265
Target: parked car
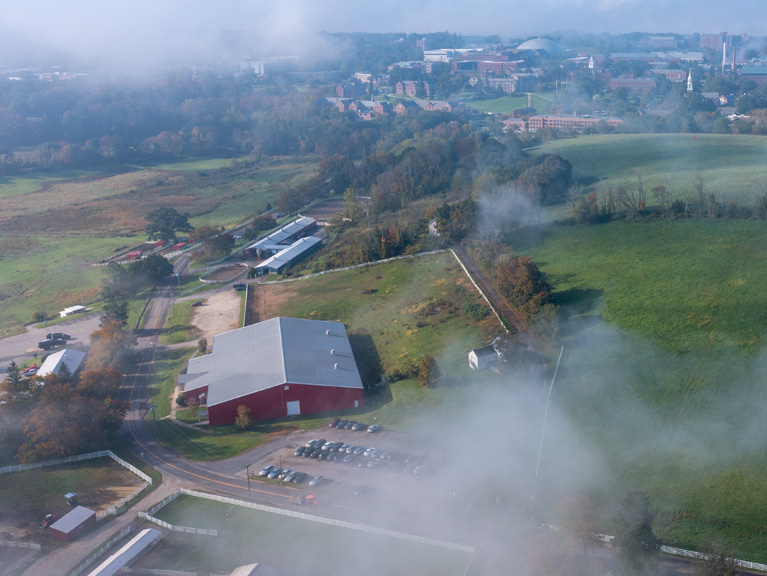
239, 287
274, 473
197, 303
333, 422
360, 450
290, 477
359, 426
350, 424
58, 336
373, 463
300, 477
361, 490
349, 457
266, 471
341, 424
48, 520
374, 428
316, 480
299, 451
284, 473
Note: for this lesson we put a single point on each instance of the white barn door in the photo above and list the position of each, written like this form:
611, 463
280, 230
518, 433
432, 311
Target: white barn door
294, 408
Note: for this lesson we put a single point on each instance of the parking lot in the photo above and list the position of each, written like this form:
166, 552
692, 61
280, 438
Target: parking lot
400, 463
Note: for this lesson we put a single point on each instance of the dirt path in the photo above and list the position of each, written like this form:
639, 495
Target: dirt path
220, 313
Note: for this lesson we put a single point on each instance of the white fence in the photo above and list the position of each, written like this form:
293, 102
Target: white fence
363, 265
33, 550
294, 514
95, 556
466, 271
115, 508
155, 572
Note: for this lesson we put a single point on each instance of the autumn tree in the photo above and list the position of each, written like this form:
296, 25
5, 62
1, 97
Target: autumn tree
13, 384
115, 311
429, 372
521, 283
110, 346
244, 418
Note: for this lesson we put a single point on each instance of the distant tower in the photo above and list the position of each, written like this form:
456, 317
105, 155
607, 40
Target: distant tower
591, 66
689, 81
724, 55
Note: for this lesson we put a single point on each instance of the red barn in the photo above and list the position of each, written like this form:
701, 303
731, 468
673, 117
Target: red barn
73, 525
277, 368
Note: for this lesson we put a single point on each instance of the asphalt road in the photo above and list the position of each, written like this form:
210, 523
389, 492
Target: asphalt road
23, 346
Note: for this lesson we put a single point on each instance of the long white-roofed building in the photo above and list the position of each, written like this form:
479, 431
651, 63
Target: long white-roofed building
279, 367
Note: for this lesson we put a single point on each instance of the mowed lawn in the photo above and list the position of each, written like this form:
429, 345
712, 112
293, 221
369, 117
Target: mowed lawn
291, 545
664, 365
729, 163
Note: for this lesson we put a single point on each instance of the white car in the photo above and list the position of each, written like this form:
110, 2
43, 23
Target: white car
316, 480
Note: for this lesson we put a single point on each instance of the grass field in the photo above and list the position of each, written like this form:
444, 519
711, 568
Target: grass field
409, 309
663, 326
216, 444
178, 327
729, 164
28, 496
168, 366
507, 104
291, 545
53, 226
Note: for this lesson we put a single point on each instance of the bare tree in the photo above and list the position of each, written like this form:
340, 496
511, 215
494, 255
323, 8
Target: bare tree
698, 185
716, 561
574, 192
640, 188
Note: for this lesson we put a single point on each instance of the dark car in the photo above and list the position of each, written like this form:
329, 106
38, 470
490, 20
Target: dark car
266, 471
197, 303
58, 336
299, 451
359, 426
349, 457
374, 428
48, 520
359, 450
48, 344
239, 287
323, 455
300, 477
333, 456
333, 422
350, 424
315, 453
342, 424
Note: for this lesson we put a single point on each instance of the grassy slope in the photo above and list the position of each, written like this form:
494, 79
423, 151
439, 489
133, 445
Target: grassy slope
168, 366
248, 535
728, 163
669, 391
178, 326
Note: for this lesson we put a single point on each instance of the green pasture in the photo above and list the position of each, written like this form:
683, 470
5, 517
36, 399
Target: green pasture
39, 272
214, 443
731, 165
168, 365
507, 104
291, 545
663, 370
409, 309
196, 165
178, 325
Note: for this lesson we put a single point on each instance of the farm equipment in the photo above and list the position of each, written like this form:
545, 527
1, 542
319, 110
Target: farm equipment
309, 500
48, 520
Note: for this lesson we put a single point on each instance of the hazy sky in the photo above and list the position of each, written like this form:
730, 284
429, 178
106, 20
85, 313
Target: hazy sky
146, 28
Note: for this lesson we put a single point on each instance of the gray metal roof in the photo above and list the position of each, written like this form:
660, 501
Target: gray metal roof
275, 352
73, 519
138, 544
275, 239
279, 260
52, 364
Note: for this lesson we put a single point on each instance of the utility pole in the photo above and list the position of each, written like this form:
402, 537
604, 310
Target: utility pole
247, 471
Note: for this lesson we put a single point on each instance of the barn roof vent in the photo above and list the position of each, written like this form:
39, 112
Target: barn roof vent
333, 352
335, 366
327, 332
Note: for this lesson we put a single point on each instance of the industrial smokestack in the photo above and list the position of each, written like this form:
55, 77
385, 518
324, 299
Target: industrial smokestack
724, 55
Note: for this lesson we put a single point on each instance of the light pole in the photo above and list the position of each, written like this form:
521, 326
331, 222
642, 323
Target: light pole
280, 460
247, 471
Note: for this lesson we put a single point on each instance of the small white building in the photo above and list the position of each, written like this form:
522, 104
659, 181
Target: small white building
53, 363
72, 310
433, 230
483, 358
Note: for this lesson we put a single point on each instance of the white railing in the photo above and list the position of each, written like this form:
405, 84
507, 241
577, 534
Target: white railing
301, 515
93, 557
356, 266
55, 462
33, 550
156, 572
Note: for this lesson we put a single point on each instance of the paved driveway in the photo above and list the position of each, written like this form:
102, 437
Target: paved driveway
23, 346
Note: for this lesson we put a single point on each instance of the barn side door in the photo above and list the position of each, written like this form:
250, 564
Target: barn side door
294, 408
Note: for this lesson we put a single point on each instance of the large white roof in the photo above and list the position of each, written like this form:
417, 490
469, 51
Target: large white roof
275, 239
71, 358
275, 352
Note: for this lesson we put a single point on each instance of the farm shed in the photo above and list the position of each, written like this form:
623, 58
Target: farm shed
290, 255
137, 545
281, 239
482, 358
72, 359
73, 524
277, 368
